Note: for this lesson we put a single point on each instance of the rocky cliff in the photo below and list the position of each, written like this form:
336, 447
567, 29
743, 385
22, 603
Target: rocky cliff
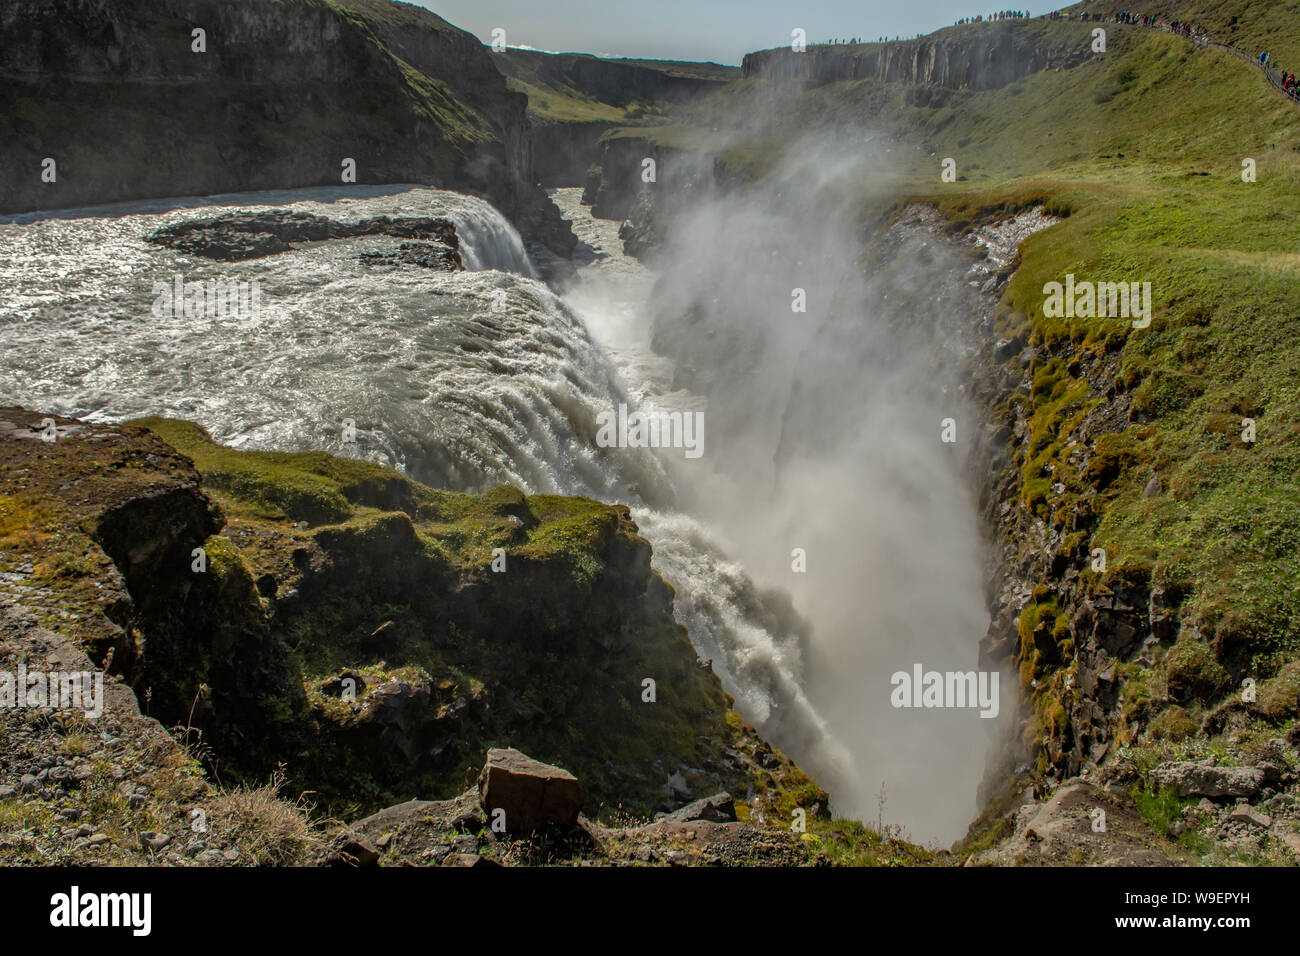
994, 56
130, 103
616, 186
374, 636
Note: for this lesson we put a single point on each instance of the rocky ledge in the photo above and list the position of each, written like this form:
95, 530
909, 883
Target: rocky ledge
237, 236
328, 625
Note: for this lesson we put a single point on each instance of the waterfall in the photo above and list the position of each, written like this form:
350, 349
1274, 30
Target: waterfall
487, 240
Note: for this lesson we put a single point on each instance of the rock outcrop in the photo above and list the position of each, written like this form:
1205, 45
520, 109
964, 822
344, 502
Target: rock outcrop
616, 189
244, 235
1081, 825
464, 830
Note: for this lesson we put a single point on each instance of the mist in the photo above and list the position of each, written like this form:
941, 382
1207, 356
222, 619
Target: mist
824, 434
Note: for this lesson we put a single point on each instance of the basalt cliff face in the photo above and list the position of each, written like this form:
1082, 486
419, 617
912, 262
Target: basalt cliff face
130, 103
984, 60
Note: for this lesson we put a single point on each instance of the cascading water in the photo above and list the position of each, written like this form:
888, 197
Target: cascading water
829, 368
464, 380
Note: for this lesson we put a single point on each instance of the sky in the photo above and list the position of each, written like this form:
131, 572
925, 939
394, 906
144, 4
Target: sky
718, 30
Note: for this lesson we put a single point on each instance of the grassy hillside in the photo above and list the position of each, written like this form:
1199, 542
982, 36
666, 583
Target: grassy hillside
1249, 25
580, 88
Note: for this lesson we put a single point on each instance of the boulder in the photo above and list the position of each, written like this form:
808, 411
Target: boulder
356, 851
1204, 779
719, 808
531, 793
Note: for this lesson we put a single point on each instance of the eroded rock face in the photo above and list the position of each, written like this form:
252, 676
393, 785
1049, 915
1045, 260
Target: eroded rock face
532, 793
991, 59
250, 235
424, 658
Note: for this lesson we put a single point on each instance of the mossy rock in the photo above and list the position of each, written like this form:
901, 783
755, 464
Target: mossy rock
1173, 724
1193, 673
1279, 698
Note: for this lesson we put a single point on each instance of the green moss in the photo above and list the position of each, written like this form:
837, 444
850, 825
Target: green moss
1193, 673
1042, 628
1279, 698
1174, 724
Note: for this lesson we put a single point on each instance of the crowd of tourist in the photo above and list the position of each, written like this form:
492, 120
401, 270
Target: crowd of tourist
994, 17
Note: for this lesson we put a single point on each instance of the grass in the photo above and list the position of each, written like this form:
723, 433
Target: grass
579, 88
268, 830
321, 489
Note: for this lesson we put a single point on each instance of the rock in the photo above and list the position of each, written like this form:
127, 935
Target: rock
356, 851
210, 858
467, 859
1248, 814
28, 783
531, 793
7, 791
251, 235
427, 255
336, 686
1193, 779
98, 839
154, 841
1060, 831
719, 808
677, 786
1152, 489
